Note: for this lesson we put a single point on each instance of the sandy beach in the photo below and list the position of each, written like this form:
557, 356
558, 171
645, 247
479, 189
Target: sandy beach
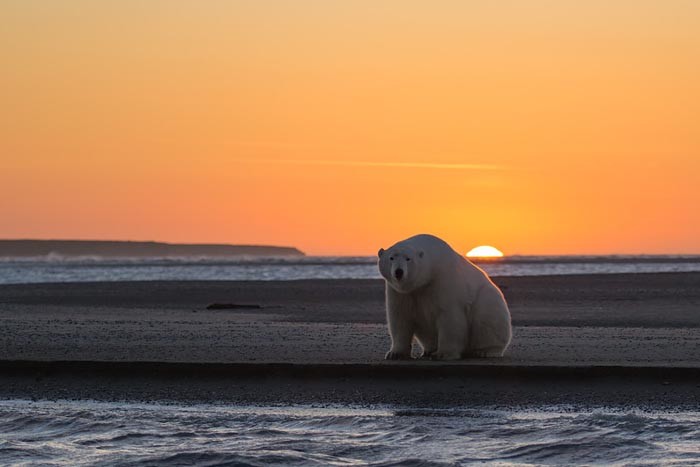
604, 338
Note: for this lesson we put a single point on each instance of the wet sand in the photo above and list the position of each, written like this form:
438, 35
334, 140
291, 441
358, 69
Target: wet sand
626, 337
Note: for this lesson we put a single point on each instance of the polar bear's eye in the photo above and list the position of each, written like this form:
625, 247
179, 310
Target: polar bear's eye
391, 258
408, 259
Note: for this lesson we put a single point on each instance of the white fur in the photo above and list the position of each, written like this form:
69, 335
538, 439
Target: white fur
447, 303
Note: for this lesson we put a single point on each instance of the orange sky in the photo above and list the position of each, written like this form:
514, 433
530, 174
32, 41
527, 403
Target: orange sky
539, 127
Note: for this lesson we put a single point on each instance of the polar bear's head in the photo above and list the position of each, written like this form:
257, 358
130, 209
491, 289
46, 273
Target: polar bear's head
404, 268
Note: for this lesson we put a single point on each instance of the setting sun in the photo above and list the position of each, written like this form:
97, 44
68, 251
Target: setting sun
484, 251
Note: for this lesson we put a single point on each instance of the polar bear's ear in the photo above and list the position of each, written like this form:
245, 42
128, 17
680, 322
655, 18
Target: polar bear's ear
420, 254
380, 252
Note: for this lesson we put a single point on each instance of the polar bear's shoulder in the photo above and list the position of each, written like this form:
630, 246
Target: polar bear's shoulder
427, 242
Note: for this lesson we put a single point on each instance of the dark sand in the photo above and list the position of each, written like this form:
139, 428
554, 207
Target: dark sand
595, 340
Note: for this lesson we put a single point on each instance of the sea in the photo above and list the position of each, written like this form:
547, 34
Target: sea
55, 268
85, 432
124, 434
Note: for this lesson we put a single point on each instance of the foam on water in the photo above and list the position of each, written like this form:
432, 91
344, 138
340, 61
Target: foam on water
87, 433
88, 269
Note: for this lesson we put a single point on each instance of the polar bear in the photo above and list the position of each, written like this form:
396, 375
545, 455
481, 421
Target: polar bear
447, 303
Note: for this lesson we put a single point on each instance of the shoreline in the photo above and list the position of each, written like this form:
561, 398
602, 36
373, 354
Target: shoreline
415, 369
280, 385
445, 395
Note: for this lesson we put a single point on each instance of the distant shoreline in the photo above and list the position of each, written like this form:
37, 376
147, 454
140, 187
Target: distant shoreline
117, 249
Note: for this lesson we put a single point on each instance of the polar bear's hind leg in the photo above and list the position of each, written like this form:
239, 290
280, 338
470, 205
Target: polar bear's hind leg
452, 333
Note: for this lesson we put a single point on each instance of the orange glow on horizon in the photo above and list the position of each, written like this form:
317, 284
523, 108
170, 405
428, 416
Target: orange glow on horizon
341, 127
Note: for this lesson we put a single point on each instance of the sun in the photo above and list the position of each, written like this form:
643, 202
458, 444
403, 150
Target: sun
484, 251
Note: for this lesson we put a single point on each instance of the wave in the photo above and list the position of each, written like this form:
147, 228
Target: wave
86, 433
278, 269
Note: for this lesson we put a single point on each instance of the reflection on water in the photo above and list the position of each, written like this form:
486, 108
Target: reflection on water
85, 433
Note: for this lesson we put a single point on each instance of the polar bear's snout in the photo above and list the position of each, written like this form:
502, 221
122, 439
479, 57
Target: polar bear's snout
399, 267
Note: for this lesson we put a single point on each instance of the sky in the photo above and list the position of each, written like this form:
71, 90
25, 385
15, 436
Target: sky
538, 127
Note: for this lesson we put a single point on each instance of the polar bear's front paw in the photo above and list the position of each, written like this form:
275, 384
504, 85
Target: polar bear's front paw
394, 355
445, 356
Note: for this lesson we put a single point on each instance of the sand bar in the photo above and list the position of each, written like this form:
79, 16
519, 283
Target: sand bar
322, 340
638, 320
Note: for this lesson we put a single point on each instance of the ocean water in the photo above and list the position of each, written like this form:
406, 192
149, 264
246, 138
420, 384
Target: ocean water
57, 269
98, 433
